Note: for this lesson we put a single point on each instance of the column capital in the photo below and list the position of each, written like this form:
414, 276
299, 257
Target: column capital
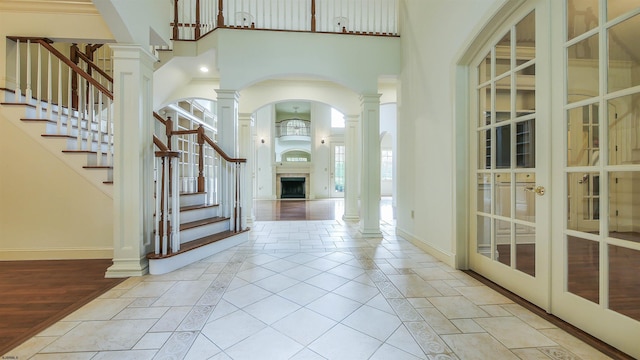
370, 98
132, 51
228, 94
351, 118
245, 117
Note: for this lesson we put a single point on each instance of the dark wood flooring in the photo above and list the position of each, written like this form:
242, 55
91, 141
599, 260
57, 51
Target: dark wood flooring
276, 210
36, 294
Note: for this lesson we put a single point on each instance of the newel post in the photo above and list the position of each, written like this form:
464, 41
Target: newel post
313, 15
220, 16
200, 158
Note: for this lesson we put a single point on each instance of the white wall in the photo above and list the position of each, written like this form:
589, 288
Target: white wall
141, 22
47, 211
321, 159
265, 176
433, 33
388, 128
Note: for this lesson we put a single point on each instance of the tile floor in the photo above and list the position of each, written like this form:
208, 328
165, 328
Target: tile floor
306, 290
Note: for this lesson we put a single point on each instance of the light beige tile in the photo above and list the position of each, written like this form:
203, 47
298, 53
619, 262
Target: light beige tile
149, 289
271, 309
302, 293
276, 283
482, 295
304, 326
177, 345
246, 295
380, 303
514, 333
141, 313
457, 307
65, 356
467, 325
326, 281
530, 354
373, 322
527, 316
495, 310
342, 342
202, 348
126, 355
255, 274
30, 347
232, 328
402, 339
306, 354
99, 309
60, 328
437, 321
386, 352
357, 291
334, 306
574, 345
101, 336
152, 341
171, 319
478, 347
183, 293
266, 344
413, 286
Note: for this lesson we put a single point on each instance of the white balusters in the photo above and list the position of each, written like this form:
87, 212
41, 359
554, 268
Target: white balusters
49, 89
165, 206
28, 94
69, 101
39, 84
59, 121
18, 93
156, 223
175, 205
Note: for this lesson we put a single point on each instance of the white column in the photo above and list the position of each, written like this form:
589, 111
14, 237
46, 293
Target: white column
228, 141
133, 160
352, 168
245, 125
370, 179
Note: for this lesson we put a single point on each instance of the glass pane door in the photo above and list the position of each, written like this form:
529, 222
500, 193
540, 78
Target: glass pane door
598, 253
337, 170
506, 240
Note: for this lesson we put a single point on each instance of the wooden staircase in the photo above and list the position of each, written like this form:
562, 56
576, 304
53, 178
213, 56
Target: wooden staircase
82, 136
202, 231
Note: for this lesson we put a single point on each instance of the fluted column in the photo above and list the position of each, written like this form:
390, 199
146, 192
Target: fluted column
245, 125
352, 168
228, 141
370, 179
133, 160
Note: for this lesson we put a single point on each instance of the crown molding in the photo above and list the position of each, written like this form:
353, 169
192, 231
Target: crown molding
49, 6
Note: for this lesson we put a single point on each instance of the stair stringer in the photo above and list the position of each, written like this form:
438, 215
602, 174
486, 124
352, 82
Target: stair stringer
96, 177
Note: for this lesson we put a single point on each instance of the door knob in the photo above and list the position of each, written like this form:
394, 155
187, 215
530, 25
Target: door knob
538, 189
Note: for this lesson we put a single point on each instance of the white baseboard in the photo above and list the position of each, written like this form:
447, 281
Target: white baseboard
446, 257
56, 254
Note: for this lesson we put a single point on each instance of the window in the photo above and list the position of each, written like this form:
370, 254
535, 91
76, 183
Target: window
337, 119
386, 165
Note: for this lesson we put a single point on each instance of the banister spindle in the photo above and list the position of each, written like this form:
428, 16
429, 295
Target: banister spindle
49, 89
69, 101
158, 198
197, 29
39, 83
80, 111
175, 20
313, 15
220, 14
28, 94
109, 134
201, 158
99, 129
59, 96
175, 203
18, 93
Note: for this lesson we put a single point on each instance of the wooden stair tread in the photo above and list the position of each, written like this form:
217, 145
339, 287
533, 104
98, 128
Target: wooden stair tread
17, 103
92, 167
194, 244
197, 207
194, 224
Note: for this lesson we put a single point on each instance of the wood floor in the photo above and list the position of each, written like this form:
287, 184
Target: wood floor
36, 294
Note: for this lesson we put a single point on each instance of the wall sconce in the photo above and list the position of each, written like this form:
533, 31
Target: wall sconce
262, 140
322, 141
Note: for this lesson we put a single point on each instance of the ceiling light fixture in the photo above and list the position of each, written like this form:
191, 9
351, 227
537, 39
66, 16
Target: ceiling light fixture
204, 69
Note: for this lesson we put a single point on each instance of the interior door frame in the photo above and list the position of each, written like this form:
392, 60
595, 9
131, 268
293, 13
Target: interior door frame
332, 178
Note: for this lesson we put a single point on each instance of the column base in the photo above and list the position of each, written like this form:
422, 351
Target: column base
127, 268
370, 233
351, 218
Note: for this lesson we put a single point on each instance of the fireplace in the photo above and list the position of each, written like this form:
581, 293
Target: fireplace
292, 187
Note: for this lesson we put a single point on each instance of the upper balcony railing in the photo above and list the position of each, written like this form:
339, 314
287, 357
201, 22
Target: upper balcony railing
193, 19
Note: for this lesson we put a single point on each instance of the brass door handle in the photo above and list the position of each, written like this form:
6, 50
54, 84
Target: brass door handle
538, 189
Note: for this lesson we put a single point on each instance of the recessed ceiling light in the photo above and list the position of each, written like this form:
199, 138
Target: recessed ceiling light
204, 69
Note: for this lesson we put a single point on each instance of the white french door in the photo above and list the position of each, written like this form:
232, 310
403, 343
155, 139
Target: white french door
596, 247
510, 210
337, 169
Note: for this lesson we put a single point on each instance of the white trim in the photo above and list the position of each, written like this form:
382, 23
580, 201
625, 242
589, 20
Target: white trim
444, 256
56, 253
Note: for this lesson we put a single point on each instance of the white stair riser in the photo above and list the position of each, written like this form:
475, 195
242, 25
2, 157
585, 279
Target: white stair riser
198, 214
193, 199
166, 265
202, 231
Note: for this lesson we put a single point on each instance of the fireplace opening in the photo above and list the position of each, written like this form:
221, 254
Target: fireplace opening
292, 187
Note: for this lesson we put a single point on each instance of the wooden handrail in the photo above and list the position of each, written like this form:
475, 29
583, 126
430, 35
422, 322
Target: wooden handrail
157, 142
94, 66
220, 14
159, 118
221, 152
46, 43
313, 15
